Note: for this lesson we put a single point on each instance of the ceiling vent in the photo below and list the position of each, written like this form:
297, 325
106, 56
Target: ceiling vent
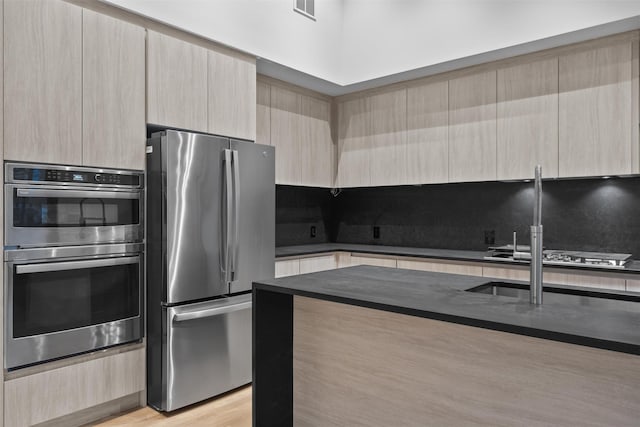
305, 7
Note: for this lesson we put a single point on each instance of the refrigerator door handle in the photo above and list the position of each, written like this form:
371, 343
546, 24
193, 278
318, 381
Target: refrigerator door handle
210, 312
236, 214
228, 164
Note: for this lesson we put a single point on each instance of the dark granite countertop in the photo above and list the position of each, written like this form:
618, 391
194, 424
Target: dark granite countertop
442, 297
450, 254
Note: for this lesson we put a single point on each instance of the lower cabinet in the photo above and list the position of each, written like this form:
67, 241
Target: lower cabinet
590, 279
76, 394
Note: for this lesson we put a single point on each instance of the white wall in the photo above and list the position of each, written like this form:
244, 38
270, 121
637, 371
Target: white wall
265, 28
383, 37
358, 40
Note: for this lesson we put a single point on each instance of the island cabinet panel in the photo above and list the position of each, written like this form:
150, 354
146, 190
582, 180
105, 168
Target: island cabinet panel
472, 128
43, 81
441, 266
388, 141
113, 92
263, 113
357, 366
287, 267
316, 144
285, 134
354, 154
176, 83
232, 95
428, 133
527, 132
596, 111
56, 393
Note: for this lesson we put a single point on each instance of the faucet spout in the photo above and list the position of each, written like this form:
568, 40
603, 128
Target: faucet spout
535, 278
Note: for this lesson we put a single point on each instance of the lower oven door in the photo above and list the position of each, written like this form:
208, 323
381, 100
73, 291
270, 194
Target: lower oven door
57, 308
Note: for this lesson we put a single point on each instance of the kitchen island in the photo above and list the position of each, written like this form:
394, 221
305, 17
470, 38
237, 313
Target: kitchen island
377, 346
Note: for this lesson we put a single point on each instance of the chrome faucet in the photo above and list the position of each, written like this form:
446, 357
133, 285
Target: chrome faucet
535, 278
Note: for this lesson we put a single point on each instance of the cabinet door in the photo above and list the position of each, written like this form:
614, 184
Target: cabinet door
232, 95
287, 267
285, 134
113, 117
316, 146
528, 120
353, 148
176, 83
318, 263
596, 112
428, 133
263, 113
472, 128
365, 259
43, 81
388, 141
441, 266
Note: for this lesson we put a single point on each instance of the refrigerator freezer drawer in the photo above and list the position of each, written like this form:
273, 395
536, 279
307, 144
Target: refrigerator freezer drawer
208, 350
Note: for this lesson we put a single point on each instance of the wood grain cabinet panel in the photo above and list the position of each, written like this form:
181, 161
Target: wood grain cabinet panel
287, 267
366, 259
176, 83
43, 81
285, 134
318, 263
113, 92
232, 95
441, 266
51, 394
596, 106
472, 127
527, 133
263, 113
316, 145
428, 133
388, 140
597, 280
353, 143
633, 285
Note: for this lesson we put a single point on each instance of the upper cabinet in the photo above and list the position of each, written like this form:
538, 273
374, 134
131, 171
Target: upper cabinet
232, 95
598, 111
428, 133
113, 89
354, 153
176, 83
472, 127
388, 140
43, 81
298, 125
528, 120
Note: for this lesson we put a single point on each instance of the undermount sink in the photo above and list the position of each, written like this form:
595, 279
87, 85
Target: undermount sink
582, 297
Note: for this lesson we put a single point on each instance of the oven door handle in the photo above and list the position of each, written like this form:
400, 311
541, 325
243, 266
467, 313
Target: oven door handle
210, 312
74, 265
95, 194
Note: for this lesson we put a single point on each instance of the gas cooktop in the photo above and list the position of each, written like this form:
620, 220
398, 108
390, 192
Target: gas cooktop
561, 257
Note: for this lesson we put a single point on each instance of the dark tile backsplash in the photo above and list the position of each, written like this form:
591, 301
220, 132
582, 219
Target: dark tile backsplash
585, 214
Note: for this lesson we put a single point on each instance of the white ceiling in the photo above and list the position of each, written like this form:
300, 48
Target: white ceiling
357, 44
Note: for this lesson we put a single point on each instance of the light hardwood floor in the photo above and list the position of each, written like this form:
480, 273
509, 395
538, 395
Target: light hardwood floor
230, 410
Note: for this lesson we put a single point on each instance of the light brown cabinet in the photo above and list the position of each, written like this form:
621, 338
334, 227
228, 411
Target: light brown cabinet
596, 107
232, 95
354, 156
263, 113
176, 83
318, 263
441, 266
316, 145
113, 92
43, 81
285, 134
527, 133
388, 140
472, 127
287, 267
428, 133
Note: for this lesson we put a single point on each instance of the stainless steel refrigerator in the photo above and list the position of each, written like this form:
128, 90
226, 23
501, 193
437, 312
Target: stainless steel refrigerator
210, 234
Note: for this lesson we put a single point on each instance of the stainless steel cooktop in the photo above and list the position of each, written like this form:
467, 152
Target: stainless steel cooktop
561, 257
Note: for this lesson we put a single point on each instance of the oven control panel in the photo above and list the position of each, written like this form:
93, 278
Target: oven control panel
79, 176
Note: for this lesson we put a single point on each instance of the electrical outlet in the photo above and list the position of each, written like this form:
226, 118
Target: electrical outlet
489, 237
376, 232
313, 231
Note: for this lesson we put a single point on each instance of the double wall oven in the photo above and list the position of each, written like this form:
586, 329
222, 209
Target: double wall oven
74, 260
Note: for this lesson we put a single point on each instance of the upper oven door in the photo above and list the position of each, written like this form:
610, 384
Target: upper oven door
39, 215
